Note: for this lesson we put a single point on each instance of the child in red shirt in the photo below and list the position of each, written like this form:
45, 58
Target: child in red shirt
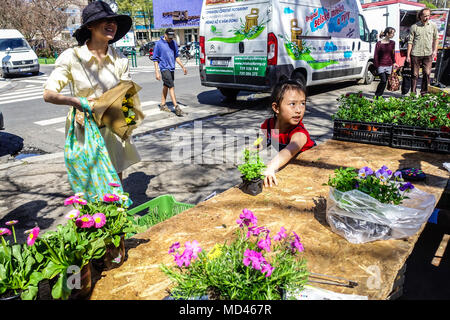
286, 127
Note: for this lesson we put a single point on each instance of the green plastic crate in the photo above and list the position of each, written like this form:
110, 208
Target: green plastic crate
158, 210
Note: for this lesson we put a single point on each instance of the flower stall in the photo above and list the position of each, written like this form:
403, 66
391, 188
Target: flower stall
411, 122
170, 258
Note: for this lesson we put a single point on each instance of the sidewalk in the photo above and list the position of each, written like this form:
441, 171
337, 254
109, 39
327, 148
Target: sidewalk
32, 190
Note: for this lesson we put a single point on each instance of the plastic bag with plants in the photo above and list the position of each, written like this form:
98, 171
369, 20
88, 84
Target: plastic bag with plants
368, 205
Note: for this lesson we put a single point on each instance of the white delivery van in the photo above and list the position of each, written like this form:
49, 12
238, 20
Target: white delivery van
251, 44
16, 55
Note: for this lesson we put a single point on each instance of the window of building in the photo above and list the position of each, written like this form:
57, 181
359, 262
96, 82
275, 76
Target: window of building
141, 35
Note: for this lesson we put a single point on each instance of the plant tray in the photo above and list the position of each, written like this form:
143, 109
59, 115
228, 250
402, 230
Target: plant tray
363, 132
395, 136
158, 210
420, 139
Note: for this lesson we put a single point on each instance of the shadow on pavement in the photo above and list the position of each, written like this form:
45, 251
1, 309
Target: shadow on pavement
136, 185
10, 144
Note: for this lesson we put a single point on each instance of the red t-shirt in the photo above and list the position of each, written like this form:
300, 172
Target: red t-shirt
284, 138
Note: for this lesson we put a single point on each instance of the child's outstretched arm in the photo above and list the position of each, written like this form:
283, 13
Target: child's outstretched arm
298, 140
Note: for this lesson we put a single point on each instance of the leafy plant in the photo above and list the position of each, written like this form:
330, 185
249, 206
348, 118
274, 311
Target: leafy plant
378, 184
253, 166
253, 266
427, 111
21, 268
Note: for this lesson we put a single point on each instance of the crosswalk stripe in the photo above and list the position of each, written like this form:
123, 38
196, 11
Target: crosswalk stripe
32, 96
22, 92
148, 112
33, 81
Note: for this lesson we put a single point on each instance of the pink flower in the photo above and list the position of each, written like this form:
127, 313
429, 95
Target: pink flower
280, 235
194, 247
99, 220
253, 257
113, 184
70, 200
255, 231
267, 268
72, 214
246, 217
12, 222
174, 247
264, 244
5, 231
296, 244
32, 237
85, 221
109, 197
80, 201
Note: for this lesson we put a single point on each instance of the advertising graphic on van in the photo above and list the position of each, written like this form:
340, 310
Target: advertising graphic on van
251, 44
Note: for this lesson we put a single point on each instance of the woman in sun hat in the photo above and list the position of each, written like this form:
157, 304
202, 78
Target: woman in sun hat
92, 68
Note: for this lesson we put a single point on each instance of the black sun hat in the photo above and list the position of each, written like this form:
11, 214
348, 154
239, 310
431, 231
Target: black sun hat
98, 10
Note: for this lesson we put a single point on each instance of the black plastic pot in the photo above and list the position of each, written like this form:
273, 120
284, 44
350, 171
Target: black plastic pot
252, 187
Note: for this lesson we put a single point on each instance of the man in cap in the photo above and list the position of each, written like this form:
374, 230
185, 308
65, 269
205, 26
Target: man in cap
165, 54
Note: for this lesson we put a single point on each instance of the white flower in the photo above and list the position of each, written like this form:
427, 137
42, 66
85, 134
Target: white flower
124, 197
120, 209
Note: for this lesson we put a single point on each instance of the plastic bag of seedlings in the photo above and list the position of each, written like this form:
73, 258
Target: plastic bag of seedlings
360, 218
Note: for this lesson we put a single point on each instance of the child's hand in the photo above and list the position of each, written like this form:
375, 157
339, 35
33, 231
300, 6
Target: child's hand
270, 180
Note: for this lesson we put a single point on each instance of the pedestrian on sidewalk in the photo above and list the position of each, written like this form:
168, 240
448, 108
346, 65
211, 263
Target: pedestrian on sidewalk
165, 54
384, 58
422, 49
92, 68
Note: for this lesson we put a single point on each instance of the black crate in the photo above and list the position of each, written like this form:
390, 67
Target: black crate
363, 132
420, 139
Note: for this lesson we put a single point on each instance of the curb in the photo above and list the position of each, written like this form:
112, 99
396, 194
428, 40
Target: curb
58, 155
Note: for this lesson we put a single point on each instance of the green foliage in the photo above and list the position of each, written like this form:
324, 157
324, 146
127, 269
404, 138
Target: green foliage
253, 167
224, 272
428, 111
378, 185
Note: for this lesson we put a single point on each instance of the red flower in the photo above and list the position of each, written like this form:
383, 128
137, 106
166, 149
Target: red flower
445, 129
448, 115
433, 118
403, 114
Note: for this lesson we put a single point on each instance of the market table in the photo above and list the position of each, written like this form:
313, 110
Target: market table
299, 204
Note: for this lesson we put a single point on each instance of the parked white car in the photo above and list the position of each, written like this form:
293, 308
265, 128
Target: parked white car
16, 55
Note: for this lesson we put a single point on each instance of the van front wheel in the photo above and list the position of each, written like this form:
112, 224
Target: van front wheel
368, 76
230, 94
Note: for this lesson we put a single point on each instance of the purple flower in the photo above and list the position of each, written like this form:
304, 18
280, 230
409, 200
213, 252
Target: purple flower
296, 244
246, 217
174, 247
255, 231
280, 235
253, 257
183, 259
406, 186
193, 247
364, 172
382, 174
267, 268
398, 175
264, 244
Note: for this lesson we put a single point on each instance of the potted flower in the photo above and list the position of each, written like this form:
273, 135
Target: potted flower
112, 208
368, 205
21, 268
251, 171
253, 266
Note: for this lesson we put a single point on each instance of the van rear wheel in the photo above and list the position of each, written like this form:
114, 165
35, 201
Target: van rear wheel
230, 94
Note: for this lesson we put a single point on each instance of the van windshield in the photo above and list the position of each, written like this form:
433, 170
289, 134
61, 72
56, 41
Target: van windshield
14, 44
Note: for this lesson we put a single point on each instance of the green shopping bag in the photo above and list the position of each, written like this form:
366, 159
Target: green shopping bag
89, 166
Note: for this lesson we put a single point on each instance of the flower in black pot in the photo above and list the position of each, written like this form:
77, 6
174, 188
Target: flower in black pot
251, 171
